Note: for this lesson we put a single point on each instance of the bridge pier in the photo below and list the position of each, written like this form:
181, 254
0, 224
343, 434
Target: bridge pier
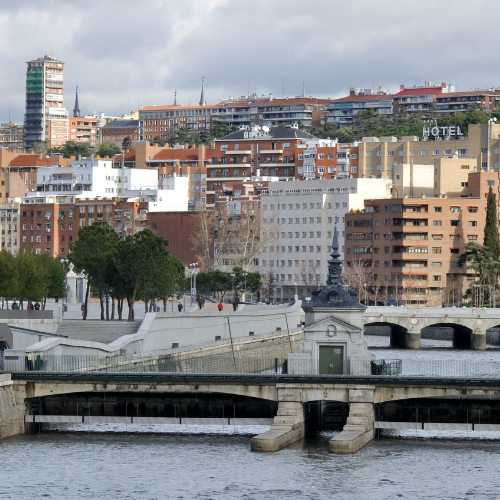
478, 341
11, 407
359, 429
289, 426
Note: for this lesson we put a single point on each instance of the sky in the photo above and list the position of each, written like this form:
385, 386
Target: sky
125, 54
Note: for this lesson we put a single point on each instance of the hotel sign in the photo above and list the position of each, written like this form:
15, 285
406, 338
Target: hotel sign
437, 132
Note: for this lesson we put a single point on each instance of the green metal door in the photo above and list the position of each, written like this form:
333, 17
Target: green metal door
331, 360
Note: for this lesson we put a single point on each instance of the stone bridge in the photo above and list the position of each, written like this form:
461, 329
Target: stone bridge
292, 402
406, 323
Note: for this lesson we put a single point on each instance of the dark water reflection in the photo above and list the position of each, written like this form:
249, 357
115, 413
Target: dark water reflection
220, 467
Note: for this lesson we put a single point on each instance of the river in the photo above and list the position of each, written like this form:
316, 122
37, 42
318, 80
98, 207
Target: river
221, 467
214, 463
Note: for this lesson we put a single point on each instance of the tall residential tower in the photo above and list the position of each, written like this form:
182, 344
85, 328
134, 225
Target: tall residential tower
46, 117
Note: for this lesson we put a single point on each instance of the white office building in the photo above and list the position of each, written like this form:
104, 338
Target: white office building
304, 214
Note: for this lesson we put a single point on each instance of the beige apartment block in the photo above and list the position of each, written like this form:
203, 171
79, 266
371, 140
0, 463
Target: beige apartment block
414, 243
377, 155
444, 176
9, 225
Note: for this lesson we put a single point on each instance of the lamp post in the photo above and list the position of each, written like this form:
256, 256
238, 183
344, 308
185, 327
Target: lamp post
232, 277
245, 293
295, 297
193, 270
364, 286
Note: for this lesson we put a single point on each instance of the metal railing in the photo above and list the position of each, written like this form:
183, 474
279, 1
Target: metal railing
235, 364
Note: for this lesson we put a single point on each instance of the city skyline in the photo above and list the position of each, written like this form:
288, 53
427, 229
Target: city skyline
123, 56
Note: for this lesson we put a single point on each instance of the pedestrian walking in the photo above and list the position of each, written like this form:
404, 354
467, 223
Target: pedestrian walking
15, 305
83, 308
179, 307
37, 306
235, 305
220, 307
3, 346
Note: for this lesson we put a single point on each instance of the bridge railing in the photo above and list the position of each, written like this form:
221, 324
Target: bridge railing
228, 364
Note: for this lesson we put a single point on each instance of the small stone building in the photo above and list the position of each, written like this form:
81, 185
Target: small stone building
334, 341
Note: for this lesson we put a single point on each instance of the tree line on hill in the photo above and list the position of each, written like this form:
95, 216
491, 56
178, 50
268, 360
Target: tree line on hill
369, 123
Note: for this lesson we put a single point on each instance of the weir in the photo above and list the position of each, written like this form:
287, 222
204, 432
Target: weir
293, 405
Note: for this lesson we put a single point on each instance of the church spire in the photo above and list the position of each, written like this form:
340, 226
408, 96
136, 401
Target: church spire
76, 111
202, 97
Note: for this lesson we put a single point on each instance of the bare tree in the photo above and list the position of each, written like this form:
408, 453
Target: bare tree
453, 291
310, 276
358, 275
269, 283
204, 237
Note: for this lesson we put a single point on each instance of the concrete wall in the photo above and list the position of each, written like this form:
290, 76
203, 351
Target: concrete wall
160, 331
29, 315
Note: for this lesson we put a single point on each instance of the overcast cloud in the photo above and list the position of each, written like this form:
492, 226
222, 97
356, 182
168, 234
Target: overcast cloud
125, 53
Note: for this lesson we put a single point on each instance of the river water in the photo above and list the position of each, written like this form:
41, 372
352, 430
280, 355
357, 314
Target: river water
221, 467
110, 461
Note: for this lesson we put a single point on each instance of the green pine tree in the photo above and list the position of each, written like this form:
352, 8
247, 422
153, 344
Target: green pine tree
491, 227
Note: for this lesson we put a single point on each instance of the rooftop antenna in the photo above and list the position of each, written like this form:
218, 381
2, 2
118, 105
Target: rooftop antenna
175, 97
303, 89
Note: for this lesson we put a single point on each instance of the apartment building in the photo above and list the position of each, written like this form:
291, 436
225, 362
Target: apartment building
51, 223
251, 152
377, 155
95, 177
21, 173
160, 121
9, 225
451, 102
342, 111
48, 226
413, 243
182, 161
246, 111
302, 215
116, 130
83, 129
46, 117
306, 112
12, 137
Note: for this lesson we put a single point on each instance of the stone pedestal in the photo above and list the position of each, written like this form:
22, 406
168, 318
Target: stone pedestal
288, 427
358, 430
71, 278
76, 286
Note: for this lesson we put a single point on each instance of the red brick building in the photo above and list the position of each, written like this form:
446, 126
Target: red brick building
179, 228
116, 130
48, 227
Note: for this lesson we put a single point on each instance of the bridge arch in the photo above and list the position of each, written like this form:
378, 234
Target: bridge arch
462, 335
398, 333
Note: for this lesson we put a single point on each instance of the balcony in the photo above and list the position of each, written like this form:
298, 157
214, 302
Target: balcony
242, 152
271, 151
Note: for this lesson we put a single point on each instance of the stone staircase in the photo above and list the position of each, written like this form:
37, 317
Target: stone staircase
97, 330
